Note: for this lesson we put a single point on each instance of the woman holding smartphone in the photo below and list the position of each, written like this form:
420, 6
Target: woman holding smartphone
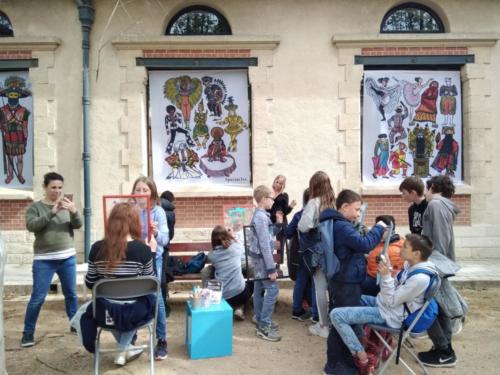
52, 220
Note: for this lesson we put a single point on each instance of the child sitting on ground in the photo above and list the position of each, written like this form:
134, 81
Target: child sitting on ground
261, 253
388, 307
369, 286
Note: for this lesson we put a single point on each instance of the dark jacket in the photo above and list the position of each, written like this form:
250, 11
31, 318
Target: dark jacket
351, 247
169, 209
280, 204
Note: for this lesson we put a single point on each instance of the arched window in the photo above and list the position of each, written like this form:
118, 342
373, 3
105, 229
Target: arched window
411, 18
198, 20
5, 25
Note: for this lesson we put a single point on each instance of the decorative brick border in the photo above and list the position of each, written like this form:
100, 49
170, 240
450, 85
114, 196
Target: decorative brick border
193, 53
15, 55
405, 51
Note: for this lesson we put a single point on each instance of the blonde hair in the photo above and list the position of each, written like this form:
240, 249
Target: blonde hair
260, 192
280, 177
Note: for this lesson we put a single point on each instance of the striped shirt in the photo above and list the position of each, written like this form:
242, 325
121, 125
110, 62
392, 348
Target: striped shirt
138, 262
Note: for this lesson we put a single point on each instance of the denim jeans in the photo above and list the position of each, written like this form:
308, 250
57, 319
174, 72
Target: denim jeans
302, 283
161, 322
123, 338
264, 305
344, 317
43, 272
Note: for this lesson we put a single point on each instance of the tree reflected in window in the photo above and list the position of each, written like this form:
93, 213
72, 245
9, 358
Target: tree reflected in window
411, 18
198, 20
5, 25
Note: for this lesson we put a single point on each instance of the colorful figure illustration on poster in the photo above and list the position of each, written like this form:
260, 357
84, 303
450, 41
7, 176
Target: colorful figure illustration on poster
217, 162
200, 131
14, 127
411, 93
215, 94
183, 162
173, 126
381, 156
184, 92
448, 102
420, 143
385, 97
234, 124
427, 110
398, 161
447, 156
395, 123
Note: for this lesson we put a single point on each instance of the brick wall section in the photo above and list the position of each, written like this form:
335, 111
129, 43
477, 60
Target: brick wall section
203, 212
404, 51
395, 206
195, 53
15, 55
13, 213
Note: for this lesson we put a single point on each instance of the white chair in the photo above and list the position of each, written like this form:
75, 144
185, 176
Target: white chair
404, 334
126, 288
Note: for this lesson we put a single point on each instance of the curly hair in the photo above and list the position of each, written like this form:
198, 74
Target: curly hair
441, 184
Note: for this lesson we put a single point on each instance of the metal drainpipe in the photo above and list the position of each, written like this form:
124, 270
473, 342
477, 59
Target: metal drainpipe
86, 16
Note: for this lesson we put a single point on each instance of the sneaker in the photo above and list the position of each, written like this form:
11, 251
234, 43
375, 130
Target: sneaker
318, 330
72, 329
134, 353
302, 316
368, 367
315, 319
27, 340
268, 333
438, 358
161, 351
239, 314
121, 359
274, 325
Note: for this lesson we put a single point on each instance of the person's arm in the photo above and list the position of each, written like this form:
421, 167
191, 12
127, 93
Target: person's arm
309, 216
392, 296
262, 232
162, 237
357, 242
35, 222
441, 232
92, 276
285, 205
75, 219
147, 258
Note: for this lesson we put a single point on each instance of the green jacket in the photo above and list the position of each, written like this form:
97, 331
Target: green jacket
52, 232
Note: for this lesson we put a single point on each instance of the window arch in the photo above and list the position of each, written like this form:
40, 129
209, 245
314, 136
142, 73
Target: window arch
411, 18
198, 20
5, 25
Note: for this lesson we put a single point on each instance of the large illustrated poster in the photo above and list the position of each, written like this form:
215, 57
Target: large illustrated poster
412, 125
200, 127
16, 126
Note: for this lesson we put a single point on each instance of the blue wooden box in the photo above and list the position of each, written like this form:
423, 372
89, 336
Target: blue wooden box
209, 331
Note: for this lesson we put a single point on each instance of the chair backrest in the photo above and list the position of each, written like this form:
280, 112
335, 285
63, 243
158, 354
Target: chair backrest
125, 288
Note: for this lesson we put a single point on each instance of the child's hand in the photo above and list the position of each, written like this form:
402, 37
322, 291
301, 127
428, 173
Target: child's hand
154, 228
273, 276
384, 225
152, 244
293, 203
383, 268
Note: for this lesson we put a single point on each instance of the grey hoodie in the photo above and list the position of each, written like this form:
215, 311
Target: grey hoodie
438, 225
227, 264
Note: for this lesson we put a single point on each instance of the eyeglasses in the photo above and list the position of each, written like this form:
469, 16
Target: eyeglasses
271, 198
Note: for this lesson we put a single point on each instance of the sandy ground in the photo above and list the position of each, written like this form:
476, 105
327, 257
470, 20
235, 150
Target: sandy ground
58, 352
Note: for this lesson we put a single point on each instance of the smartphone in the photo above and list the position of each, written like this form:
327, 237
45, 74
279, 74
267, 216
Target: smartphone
69, 196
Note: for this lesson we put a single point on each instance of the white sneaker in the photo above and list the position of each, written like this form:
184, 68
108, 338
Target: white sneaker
239, 314
121, 359
318, 330
133, 353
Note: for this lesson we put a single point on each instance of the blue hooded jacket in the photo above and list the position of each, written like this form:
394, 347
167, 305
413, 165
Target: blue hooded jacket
350, 247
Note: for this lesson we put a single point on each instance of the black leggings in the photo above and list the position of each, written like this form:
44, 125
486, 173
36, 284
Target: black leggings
239, 299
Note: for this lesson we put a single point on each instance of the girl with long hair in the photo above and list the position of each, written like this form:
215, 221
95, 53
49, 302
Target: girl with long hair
321, 197
159, 230
122, 253
226, 259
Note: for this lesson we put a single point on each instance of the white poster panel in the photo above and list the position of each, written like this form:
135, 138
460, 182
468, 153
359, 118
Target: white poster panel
200, 127
412, 125
16, 124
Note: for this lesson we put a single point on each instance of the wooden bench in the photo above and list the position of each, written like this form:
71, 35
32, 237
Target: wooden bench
186, 250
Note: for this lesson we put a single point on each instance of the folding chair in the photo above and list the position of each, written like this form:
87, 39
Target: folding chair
126, 288
404, 334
